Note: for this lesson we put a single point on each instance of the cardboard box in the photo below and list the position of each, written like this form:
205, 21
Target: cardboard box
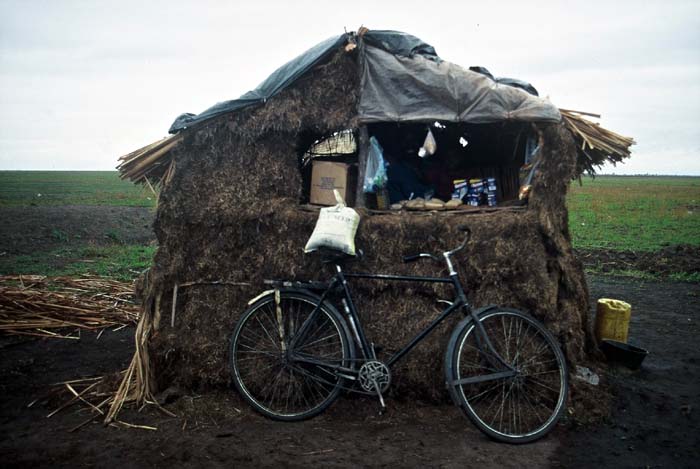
328, 175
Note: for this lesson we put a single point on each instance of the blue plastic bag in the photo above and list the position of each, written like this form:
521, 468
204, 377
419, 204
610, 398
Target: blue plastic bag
375, 173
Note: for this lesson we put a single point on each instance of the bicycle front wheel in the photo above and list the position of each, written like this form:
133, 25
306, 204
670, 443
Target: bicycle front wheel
263, 368
512, 409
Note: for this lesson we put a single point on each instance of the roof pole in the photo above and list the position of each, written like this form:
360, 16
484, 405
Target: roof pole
362, 152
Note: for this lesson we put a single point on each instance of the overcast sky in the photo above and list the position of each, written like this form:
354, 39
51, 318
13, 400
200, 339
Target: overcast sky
83, 82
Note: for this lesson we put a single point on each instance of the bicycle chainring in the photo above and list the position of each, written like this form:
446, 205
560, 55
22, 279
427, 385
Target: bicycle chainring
374, 371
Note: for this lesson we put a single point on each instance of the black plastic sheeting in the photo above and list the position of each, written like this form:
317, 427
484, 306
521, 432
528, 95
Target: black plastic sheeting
403, 80
399, 43
279, 80
523, 85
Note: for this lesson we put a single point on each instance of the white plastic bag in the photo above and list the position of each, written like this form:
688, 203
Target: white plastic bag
429, 146
335, 228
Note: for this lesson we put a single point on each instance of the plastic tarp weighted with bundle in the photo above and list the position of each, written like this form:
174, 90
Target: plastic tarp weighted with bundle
403, 80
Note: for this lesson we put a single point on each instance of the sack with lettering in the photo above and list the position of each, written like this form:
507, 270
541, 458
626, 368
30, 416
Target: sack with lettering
335, 228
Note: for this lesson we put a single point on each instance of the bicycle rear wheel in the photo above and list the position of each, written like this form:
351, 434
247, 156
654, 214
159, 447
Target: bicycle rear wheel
514, 409
263, 371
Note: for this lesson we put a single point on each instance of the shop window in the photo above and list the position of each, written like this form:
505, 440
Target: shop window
477, 164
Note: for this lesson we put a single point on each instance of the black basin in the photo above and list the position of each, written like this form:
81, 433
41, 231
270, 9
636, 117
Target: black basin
625, 354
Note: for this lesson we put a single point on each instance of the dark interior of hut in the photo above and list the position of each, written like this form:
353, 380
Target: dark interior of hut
463, 152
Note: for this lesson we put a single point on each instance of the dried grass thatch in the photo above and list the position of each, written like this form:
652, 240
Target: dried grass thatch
595, 144
48, 306
152, 164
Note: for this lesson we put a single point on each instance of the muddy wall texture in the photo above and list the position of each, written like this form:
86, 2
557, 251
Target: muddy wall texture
231, 213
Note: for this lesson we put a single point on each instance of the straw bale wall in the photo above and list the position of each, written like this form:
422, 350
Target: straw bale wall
231, 214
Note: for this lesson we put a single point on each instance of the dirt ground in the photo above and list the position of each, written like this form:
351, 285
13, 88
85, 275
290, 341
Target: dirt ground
655, 420
28, 229
666, 261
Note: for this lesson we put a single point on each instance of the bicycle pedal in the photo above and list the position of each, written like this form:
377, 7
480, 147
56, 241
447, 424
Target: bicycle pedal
382, 406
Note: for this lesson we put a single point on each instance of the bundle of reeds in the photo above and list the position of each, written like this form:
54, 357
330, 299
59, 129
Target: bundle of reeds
151, 164
596, 145
48, 306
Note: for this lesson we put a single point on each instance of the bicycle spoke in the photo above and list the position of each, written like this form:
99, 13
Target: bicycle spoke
255, 350
532, 406
267, 333
525, 375
539, 383
309, 344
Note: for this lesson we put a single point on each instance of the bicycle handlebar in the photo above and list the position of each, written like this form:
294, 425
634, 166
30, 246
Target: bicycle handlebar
415, 257
465, 229
446, 254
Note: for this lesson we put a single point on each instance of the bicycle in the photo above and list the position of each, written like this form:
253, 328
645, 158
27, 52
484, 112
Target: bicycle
292, 353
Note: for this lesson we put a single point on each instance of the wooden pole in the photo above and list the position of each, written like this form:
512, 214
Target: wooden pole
362, 152
172, 314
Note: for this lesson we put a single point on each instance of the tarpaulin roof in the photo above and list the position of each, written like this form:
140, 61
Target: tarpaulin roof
279, 80
403, 89
403, 79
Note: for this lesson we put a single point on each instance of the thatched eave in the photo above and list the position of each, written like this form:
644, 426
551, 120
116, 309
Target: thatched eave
595, 145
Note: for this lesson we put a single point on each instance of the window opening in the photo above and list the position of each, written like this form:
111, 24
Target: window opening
479, 164
328, 162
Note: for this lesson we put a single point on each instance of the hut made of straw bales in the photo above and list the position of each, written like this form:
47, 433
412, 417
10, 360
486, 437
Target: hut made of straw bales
234, 189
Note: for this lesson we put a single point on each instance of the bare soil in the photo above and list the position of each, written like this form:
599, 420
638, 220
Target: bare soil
664, 262
28, 229
655, 419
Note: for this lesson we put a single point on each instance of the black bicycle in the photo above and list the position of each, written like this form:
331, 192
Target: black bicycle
292, 353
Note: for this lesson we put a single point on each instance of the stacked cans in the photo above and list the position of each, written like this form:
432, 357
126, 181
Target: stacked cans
481, 192
460, 189
475, 192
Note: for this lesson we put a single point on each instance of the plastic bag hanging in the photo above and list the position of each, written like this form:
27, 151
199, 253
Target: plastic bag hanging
429, 146
375, 172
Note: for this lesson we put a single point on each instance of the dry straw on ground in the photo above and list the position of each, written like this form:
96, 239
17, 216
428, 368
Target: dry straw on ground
59, 307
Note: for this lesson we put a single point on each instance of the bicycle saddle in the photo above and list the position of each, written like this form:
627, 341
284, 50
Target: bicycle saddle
333, 256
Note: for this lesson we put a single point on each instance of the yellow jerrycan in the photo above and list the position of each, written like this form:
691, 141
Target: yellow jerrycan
612, 320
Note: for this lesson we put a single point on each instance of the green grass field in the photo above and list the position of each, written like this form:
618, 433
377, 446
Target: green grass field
123, 262
71, 188
635, 212
611, 212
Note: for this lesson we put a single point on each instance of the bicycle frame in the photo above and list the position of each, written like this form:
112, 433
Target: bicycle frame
357, 329
459, 302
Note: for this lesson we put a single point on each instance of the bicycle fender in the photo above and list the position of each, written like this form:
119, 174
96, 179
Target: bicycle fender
272, 292
261, 295
484, 309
